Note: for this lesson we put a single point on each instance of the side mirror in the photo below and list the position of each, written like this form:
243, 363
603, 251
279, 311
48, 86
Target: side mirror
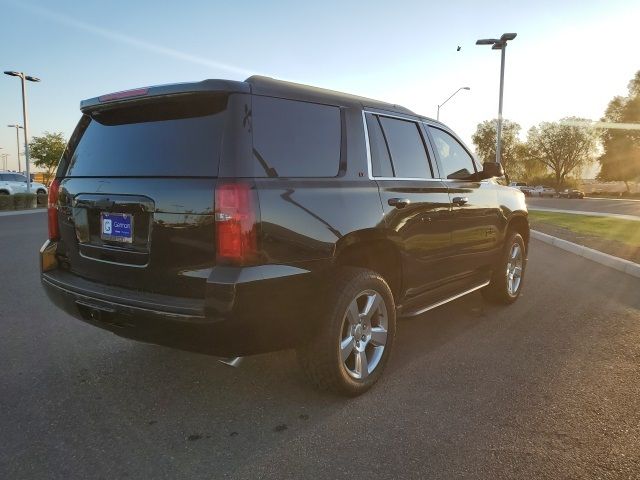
492, 169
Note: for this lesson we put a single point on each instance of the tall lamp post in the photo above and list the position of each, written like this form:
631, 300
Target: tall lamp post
452, 95
4, 160
25, 122
17, 127
499, 44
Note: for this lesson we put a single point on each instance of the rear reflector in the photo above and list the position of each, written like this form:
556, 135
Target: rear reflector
52, 209
236, 217
138, 92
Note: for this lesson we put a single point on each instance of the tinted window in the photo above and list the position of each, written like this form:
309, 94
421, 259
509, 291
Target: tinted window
15, 177
179, 136
295, 139
407, 148
380, 160
455, 160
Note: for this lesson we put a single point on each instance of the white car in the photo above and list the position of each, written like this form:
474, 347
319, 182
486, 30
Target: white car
522, 186
11, 182
543, 191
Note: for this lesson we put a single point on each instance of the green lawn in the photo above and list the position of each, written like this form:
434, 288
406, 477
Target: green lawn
623, 231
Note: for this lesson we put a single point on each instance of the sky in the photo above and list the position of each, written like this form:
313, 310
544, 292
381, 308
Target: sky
569, 58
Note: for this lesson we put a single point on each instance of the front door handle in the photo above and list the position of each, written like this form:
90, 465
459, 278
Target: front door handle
398, 202
459, 201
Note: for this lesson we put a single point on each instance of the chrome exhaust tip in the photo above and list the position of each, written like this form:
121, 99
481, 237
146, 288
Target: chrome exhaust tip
231, 361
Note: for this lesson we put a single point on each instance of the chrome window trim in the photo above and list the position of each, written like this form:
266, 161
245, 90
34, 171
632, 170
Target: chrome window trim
368, 148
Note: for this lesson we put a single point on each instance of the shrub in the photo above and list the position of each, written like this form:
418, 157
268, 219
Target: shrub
42, 199
6, 202
24, 200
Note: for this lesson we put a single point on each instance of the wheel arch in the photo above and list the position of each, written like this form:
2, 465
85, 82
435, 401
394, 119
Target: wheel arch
519, 222
372, 250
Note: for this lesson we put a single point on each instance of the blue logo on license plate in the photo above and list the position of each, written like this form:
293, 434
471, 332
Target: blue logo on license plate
117, 226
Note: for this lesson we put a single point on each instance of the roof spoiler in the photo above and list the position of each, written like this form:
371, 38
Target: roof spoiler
110, 99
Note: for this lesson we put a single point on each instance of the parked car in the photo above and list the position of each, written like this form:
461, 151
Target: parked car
571, 193
233, 218
543, 191
11, 182
522, 186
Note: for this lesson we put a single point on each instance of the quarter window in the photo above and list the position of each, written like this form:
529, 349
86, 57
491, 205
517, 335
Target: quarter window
295, 139
380, 159
406, 148
456, 162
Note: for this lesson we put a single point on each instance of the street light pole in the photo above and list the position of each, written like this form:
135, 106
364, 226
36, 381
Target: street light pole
452, 95
499, 44
25, 122
499, 127
17, 127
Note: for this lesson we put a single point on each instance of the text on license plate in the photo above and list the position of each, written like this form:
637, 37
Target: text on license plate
116, 227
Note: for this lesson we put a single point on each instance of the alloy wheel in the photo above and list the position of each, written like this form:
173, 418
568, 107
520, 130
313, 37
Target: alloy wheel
364, 334
514, 269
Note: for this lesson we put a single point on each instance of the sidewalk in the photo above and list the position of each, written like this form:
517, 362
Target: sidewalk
581, 212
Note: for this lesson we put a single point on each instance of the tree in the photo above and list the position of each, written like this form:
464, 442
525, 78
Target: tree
47, 150
563, 147
485, 141
620, 159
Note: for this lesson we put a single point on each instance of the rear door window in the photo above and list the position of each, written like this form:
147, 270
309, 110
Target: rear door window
175, 136
295, 139
406, 147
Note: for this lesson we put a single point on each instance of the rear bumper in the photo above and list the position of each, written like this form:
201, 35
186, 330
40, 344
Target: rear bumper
246, 310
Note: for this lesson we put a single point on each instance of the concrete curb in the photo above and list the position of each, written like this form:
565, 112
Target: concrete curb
22, 212
619, 264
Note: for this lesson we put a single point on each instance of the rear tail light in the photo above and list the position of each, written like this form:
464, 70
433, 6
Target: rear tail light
236, 218
52, 210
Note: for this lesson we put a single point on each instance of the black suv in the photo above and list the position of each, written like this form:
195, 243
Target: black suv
233, 218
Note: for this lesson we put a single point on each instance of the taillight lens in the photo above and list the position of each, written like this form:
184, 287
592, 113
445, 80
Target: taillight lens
236, 218
52, 210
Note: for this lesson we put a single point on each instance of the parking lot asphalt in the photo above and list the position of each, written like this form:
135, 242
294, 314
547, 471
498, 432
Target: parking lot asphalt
546, 388
620, 207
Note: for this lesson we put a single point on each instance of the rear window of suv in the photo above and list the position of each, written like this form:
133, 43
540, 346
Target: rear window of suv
173, 136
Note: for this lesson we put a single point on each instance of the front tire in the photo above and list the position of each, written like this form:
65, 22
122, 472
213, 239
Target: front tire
508, 275
352, 345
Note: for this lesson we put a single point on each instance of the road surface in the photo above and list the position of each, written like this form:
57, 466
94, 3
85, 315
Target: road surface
546, 388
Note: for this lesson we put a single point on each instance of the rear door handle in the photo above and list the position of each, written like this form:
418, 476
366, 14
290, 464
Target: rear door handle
398, 202
459, 201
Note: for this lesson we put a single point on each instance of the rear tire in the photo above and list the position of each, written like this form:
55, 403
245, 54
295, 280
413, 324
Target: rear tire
508, 275
351, 347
